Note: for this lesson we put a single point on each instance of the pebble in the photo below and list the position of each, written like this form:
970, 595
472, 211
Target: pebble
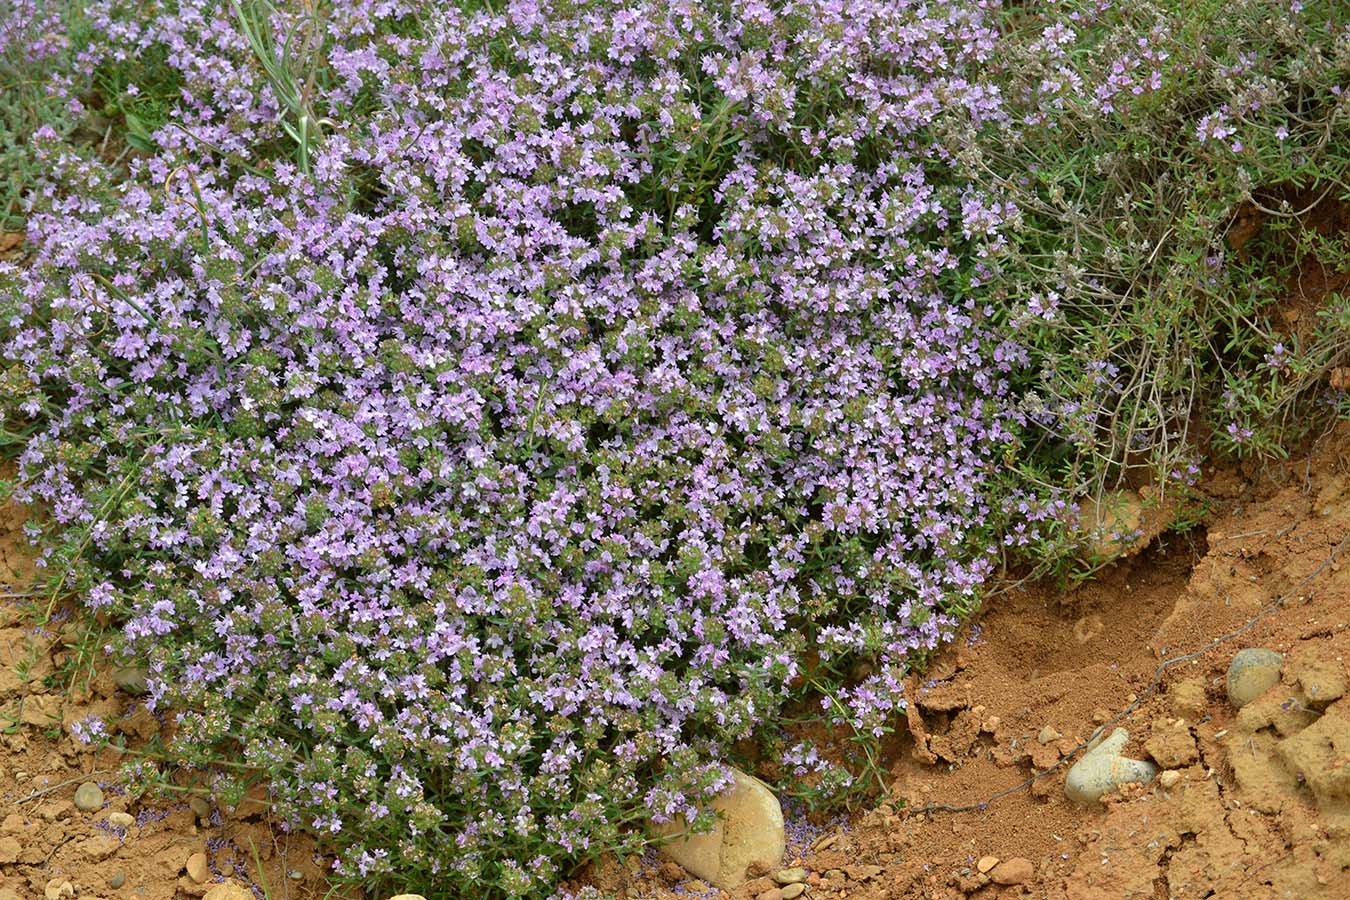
1252, 672
295, 875
795, 875
88, 797
200, 807
1048, 735
1102, 769
58, 888
792, 891
121, 819
407, 897
1169, 778
1017, 870
197, 868
131, 679
118, 879
986, 863
229, 890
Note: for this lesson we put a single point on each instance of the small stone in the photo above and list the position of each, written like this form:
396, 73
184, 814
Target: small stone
835, 874
986, 863
1048, 735
795, 875
749, 831
792, 891
226, 869
118, 879
407, 897
198, 868
230, 890
771, 894
1252, 672
58, 888
131, 679
121, 819
295, 875
1169, 778
1102, 769
201, 808
88, 797
1017, 870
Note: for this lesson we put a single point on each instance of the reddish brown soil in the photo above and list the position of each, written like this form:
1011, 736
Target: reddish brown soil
1261, 807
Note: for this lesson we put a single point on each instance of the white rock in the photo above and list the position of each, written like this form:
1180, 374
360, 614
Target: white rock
1102, 769
749, 830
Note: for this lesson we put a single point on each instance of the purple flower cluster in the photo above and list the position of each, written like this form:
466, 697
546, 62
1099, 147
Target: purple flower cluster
483, 478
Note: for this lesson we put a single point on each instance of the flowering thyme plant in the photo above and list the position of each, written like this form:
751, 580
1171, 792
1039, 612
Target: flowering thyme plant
481, 466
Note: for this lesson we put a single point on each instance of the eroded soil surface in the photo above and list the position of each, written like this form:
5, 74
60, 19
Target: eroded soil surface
1259, 805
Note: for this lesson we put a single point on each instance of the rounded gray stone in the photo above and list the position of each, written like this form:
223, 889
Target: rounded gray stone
1102, 769
88, 797
118, 879
1252, 672
132, 679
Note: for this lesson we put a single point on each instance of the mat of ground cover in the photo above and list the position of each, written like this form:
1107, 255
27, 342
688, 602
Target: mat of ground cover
1241, 820
46, 842
1244, 818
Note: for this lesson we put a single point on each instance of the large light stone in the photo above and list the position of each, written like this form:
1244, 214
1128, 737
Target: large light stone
749, 830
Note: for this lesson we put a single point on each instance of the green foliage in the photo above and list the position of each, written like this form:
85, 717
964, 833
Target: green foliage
1138, 140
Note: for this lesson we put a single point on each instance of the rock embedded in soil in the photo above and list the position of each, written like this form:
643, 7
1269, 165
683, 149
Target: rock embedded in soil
231, 890
1323, 680
1017, 870
795, 875
986, 863
200, 807
749, 830
1048, 735
1103, 769
57, 888
121, 819
1252, 672
132, 679
117, 880
1169, 778
88, 797
198, 869
792, 891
